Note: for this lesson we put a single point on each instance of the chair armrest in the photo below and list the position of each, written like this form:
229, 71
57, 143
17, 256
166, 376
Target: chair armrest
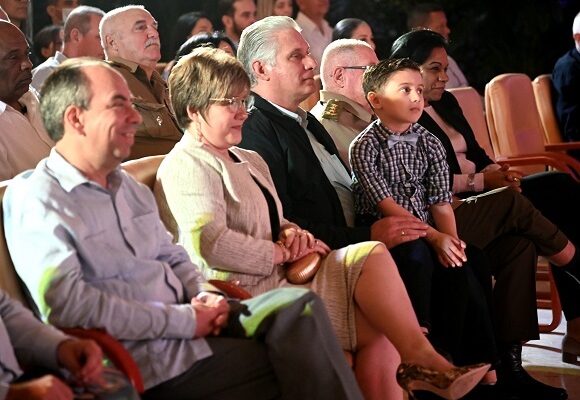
231, 289
562, 146
114, 351
548, 159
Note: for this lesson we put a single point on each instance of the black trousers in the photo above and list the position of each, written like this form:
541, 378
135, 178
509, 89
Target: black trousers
557, 197
453, 303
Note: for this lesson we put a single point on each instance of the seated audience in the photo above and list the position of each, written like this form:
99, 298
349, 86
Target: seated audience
47, 42
103, 259
566, 79
506, 225
81, 39
216, 40
25, 341
432, 16
314, 186
131, 43
315, 29
187, 25
59, 10
353, 28
23, 140
230, 221
235, 16
266, 8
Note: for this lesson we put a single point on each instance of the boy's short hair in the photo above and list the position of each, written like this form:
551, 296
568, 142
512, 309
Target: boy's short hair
377, 75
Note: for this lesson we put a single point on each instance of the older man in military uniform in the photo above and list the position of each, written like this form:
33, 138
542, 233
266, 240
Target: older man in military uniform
343, 109
131, 43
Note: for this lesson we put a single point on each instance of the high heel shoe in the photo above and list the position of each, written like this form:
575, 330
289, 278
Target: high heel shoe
451, 384
570, 350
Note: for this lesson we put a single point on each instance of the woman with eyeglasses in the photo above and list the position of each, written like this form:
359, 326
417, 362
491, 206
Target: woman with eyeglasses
220, 203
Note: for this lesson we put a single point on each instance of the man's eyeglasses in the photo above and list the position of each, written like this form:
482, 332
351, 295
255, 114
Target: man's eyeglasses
235, 104
363, 67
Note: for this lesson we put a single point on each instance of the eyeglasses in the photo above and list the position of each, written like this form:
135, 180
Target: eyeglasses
363, 67
235, 104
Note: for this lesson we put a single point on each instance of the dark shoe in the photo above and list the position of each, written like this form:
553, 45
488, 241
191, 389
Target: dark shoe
451, 384
570, 350
515, 383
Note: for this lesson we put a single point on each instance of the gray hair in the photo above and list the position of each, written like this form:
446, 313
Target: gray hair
80, 18
259, 42
67, 85
109, 21
339, 48
576, 24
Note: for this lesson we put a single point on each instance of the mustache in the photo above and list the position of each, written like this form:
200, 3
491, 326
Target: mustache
152, 42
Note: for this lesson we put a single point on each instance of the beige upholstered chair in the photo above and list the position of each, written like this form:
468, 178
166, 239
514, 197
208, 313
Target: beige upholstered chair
515, 128
543, 94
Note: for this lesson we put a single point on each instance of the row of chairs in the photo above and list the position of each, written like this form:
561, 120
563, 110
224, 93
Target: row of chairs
519, 124
519, 127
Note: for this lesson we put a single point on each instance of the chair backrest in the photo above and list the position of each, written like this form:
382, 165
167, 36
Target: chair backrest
472, 107
144, 169
512, 117
9, 281
543, 93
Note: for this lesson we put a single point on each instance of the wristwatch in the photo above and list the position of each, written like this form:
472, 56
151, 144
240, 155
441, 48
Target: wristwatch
471, 182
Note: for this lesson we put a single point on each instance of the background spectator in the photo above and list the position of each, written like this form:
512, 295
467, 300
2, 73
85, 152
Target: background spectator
58, 10
354, 28
187, 25
265, 8
47, 42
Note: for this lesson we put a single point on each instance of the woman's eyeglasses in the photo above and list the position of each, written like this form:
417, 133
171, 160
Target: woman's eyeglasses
235, 104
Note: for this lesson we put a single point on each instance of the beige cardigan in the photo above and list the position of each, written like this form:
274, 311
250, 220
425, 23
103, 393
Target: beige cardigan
221, 214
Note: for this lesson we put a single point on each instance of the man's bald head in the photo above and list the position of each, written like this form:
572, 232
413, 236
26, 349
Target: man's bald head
342, 68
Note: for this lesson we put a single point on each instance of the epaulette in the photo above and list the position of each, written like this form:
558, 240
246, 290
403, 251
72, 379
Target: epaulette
332, 109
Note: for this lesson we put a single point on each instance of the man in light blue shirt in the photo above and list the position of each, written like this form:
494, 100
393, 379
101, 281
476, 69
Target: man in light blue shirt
88, 242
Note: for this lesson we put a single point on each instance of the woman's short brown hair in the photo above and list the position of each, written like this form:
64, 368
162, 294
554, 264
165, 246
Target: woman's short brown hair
203, 74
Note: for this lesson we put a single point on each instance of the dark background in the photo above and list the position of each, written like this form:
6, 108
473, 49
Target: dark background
488, 37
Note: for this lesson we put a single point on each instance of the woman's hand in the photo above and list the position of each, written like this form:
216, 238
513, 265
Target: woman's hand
450, 251
294, 243
297, 241
502, 177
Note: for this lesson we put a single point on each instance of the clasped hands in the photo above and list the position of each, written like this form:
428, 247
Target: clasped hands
502, 177
211, 313
294, 243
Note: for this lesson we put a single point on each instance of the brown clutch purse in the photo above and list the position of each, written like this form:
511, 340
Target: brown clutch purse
303, 270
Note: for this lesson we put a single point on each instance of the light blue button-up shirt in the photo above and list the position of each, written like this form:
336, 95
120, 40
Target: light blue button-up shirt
101, 258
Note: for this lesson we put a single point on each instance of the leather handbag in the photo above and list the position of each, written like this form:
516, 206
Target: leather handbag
303, 270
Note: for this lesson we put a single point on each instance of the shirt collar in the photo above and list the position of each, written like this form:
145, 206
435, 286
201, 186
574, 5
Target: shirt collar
133, 66
299, 116
69, 177
60, 57
26, 100
386, 131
